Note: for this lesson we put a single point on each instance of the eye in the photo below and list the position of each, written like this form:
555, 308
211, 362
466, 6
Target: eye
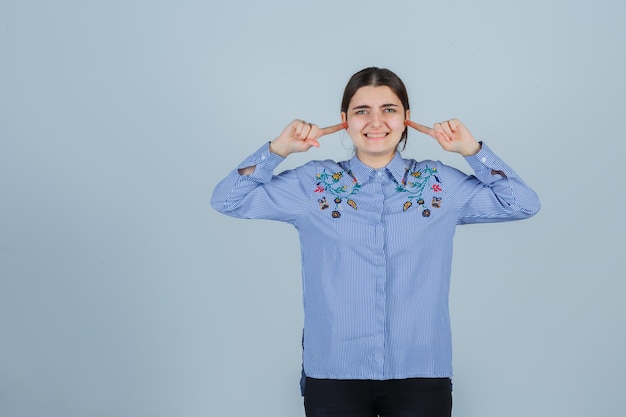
362, 111
389, 110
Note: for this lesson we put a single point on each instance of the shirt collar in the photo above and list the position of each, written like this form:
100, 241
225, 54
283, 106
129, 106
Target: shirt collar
361, 172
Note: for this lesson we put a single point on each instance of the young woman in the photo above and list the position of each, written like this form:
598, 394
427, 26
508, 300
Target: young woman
376, 237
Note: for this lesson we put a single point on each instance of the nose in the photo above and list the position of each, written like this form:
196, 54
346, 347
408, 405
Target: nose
376, 119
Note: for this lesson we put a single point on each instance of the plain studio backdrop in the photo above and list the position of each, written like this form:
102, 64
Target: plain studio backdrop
122, 293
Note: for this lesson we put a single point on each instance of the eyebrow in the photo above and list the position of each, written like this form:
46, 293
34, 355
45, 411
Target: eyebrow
365, 106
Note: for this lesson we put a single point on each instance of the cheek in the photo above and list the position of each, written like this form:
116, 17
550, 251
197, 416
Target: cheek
397, 122
355, 125
396, 125
355, 130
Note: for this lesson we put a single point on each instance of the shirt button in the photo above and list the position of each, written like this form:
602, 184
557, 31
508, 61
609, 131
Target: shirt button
483, 159
379, 173
263, 158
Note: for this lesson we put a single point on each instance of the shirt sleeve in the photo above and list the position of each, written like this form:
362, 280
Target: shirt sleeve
494, 193
261, 195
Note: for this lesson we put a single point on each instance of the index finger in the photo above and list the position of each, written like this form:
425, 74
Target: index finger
420, 128
332, 129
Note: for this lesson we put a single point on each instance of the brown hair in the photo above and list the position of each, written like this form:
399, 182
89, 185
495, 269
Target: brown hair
376, 77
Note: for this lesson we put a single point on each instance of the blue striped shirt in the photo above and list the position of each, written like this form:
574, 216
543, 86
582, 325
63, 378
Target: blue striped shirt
376, 247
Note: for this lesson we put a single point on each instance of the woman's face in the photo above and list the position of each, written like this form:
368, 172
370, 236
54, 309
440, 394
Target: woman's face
375, 120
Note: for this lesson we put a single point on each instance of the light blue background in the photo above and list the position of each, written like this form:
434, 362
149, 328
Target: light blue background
122, 293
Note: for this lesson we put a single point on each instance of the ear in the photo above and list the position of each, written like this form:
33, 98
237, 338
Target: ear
344, 117
407, 114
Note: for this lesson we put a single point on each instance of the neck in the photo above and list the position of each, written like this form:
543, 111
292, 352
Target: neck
375, 161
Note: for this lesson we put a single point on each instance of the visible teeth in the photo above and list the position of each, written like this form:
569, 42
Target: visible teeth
377, 135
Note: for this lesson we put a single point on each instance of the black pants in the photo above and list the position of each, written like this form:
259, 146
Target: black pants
413, 397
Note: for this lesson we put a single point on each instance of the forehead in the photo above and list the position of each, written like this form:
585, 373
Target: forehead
374, 96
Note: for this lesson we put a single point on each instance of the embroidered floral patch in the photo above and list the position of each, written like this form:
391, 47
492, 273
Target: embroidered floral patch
414, 184
323, 203
340, 190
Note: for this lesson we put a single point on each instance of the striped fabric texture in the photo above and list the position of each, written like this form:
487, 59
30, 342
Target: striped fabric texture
376, 249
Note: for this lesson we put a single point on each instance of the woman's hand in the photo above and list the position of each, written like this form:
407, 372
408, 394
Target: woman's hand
300, 136
452, 135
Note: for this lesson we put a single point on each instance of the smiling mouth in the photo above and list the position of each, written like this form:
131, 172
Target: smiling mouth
376, 135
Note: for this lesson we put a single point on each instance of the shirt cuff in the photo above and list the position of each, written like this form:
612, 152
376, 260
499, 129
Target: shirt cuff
487, 166
263, 160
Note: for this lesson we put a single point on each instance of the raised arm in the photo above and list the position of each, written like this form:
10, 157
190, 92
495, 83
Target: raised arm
451, 134
495, 192
298, 136
251, 190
